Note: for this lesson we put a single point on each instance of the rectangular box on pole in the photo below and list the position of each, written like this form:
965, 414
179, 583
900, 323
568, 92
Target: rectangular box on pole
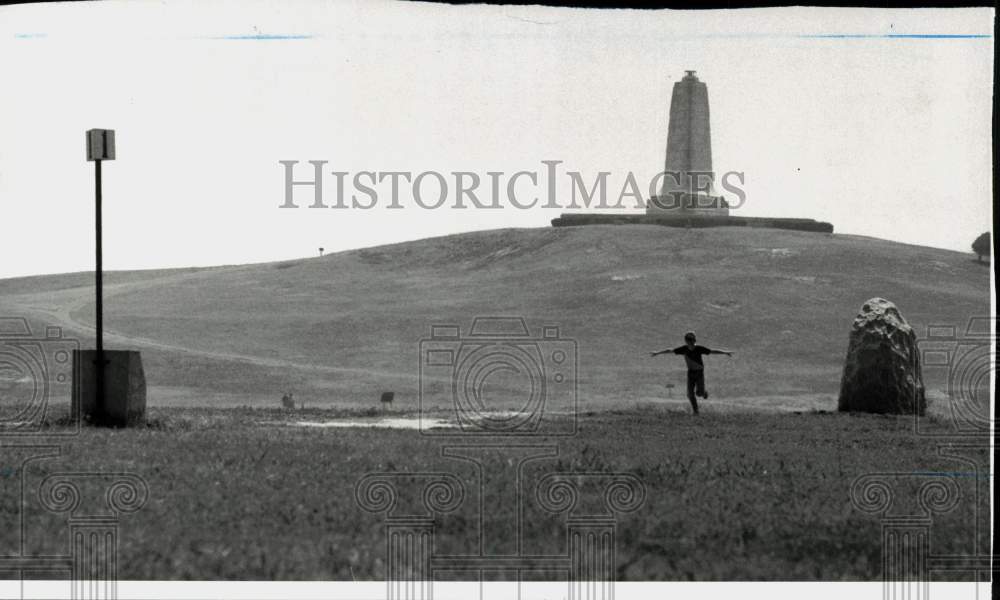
100, 144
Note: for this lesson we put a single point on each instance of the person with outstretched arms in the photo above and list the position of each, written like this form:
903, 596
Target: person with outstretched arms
692, 354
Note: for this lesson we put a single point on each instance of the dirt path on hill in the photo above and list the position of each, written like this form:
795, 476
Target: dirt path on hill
63, 315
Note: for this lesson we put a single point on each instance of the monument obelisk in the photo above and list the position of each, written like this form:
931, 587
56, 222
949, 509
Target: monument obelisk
688, 181
685, 195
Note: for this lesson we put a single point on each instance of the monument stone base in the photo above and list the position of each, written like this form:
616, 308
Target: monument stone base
124, 402
694, 220
684, 205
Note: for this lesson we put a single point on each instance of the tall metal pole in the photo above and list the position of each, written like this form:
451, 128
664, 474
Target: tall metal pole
99, 288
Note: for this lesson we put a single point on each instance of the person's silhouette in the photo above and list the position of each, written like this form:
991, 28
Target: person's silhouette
692, 354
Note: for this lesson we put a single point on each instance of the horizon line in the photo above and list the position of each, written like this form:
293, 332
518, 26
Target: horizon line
406, 241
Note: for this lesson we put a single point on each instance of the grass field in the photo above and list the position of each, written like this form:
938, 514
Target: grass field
728, 495
757, 487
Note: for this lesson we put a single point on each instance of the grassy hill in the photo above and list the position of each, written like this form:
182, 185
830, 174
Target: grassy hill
339, 329
728, 496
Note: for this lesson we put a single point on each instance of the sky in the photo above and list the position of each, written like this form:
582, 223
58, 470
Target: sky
877, 121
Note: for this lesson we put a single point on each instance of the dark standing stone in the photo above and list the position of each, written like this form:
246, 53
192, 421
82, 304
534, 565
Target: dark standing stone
882, 370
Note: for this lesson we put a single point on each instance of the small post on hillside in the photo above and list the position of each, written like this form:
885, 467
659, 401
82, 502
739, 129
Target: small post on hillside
100, 146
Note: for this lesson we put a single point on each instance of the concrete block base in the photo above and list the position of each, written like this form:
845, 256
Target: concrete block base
124, 402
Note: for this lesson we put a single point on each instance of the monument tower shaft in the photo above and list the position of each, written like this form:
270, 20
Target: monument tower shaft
689, 140
688, 183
